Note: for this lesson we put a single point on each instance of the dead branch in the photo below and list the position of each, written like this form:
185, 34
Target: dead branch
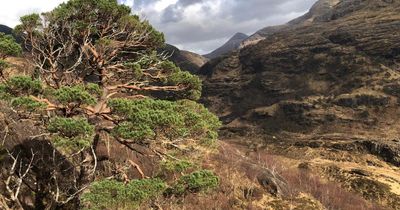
150, 88
17, 173
50, 106
137, 167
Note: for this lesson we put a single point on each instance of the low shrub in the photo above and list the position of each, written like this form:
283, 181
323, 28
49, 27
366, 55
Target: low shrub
74, 94
176, 166
180, 119
198, 181
111, 194
71, 134
27, 104
23, 85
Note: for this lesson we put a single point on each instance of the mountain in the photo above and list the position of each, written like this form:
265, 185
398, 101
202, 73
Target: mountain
321, 90
231, 45
186, 60
321, 11
5, 29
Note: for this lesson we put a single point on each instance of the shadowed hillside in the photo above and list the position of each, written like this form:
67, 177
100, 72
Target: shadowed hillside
5, 29
186, 60
323, 89
100, 113
231, 45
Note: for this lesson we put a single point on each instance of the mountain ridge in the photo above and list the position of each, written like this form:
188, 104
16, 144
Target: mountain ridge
232, 44
321, 11
324, 84
186, 60
5, 29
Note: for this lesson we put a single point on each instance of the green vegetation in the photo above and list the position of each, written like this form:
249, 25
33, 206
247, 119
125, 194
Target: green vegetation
173, 119
71, 134
69, 127
198, 181
8, 46
4, 95
23, 85
186, 79
110, 194
176, 166
3, 65
107, 86
93, 89
74, 94
27, 103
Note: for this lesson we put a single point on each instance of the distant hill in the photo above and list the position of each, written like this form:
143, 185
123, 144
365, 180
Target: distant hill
321, 11
5, 29
323, 89
186, 60
232, 44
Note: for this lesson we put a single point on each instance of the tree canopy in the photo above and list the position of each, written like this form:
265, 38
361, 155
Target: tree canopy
100, 81
8, 47
101, 41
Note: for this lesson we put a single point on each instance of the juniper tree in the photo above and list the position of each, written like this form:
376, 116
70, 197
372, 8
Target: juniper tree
99, 76
8, 47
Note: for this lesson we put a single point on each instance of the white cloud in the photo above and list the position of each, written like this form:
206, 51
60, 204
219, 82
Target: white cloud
196, 25
10, 11
203, 25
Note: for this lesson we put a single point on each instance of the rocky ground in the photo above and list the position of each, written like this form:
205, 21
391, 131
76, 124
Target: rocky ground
310, 114
320, 93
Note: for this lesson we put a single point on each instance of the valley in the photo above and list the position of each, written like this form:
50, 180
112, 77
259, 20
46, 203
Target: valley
309, 115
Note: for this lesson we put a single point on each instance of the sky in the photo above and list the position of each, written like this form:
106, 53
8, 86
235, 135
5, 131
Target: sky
196, 25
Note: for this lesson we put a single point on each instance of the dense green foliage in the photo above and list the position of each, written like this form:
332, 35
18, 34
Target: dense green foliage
93, 89
8, 46
100, 82
82, 14
186, 79
197, 181
30, 21
27, 103
72, 134
180, 119
69, 127
110, 194
74, 94
176, 166
24, 85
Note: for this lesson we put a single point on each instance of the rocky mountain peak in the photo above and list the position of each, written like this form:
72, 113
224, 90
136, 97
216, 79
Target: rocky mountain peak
328, 58
326, 81
231, 45
322, 11
5, 29
238, 36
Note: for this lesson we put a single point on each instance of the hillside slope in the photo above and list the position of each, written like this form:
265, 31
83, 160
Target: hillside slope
231, 45
321, 11
5, 29
326, 59
186, 60
322, 90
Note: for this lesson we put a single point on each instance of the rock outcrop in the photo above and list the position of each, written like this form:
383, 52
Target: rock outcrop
338, 67
323, 89
321, 12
